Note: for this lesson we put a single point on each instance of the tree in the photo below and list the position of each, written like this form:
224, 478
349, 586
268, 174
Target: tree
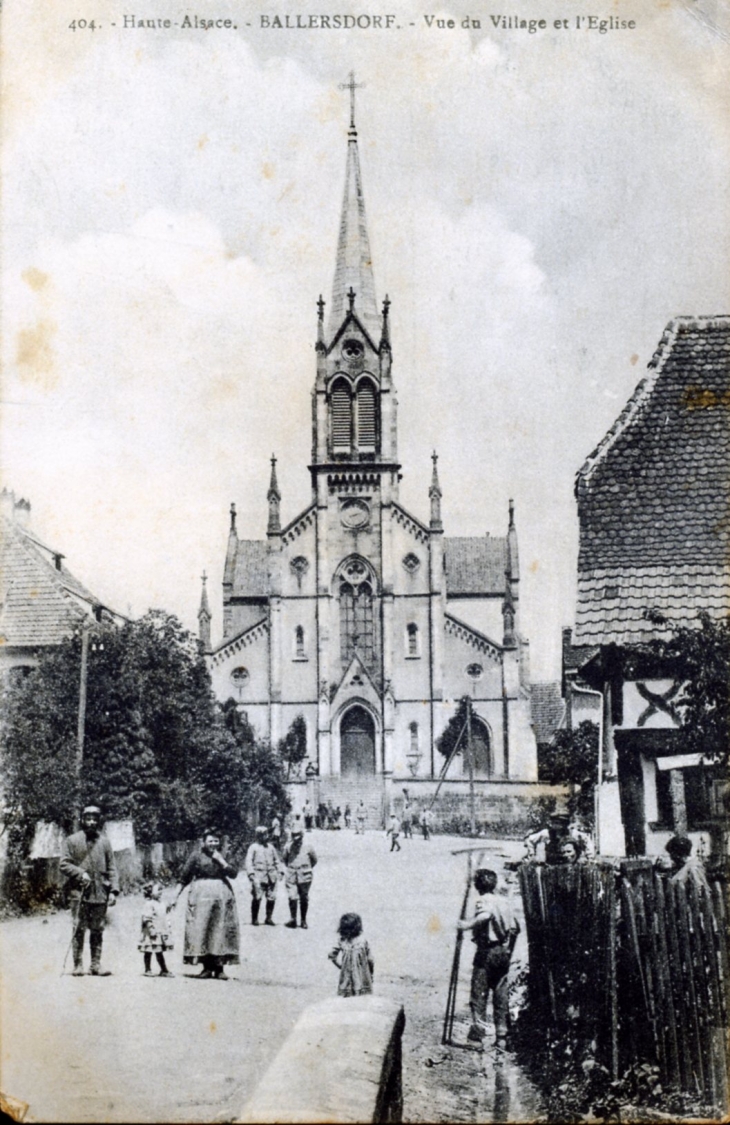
573, 760
446, 742
700, 657
293, 747
158, 747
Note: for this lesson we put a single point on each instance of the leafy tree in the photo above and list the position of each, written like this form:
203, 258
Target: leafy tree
700, 657
447, 740
293, 747
573, 759
157, 747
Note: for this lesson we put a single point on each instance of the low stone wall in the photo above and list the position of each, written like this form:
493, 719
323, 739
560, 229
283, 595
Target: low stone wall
340, 1063
508, 809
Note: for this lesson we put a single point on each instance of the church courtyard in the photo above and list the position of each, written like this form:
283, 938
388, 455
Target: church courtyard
130, 1048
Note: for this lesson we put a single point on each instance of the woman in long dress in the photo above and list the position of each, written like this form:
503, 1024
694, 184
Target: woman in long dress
212, 935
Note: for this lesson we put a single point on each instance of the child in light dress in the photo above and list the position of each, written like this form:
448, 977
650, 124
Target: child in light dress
155, 936
352, 957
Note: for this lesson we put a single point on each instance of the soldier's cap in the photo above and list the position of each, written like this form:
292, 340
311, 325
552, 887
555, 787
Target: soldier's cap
262, 830
560, 817
91, 809
297, 831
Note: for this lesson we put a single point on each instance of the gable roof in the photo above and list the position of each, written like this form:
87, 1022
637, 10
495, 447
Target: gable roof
475, 565
548, 710
41, 602
250, 569
653, 499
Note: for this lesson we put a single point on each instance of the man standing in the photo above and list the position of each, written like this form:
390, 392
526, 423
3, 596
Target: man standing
299, 859
263, 868
406, 820
393, 830
426, 823
361, 814
87, 861
495, 931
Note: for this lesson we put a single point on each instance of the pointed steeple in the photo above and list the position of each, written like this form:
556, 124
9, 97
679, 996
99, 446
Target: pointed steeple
513, 557
204, 616
353, 269
435, 494
274, 498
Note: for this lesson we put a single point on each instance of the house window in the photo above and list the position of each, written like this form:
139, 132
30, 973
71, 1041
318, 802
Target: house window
341, 417
413, 730
357, 627
366, 418
299, 651
697, 798
412, 645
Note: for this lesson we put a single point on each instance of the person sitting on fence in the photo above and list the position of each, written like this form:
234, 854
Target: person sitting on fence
545, 845
571, 851
686, 869
495, 931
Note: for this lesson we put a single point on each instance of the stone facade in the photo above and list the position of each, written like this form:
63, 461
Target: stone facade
358, 615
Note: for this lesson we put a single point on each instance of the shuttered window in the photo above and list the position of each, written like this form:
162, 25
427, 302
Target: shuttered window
366, 418
341, 408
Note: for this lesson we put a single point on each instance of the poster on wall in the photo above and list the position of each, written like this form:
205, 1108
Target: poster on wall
364, 415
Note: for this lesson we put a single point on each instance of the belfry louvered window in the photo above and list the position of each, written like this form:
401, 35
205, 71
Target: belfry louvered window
366, 418
341, 413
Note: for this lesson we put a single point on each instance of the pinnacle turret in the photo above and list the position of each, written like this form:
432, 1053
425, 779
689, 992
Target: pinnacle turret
274, 498
435, 494
204, 615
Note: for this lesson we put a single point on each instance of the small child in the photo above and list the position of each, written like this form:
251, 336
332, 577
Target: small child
352, 957
155, 937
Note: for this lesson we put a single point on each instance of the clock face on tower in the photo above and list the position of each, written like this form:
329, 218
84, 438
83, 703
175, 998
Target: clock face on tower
355, 514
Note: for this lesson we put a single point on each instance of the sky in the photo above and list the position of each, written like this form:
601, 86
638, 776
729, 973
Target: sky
539, 207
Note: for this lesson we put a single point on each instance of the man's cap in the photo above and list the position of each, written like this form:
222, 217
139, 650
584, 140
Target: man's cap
262, 830
297, 831
92, 809
560, 817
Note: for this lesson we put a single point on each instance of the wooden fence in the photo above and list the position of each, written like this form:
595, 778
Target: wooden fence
635, 965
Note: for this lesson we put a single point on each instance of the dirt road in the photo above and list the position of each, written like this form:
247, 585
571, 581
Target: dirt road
132, 1048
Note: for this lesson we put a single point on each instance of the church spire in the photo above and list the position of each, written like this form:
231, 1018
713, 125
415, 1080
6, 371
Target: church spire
435, 494
204, 616
274, 498
353, 269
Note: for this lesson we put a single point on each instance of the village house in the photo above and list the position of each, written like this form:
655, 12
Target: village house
654, 539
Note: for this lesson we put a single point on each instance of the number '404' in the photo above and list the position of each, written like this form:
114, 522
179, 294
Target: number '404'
82, 25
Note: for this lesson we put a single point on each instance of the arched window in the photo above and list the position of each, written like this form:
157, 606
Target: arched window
481, 748
341, 417
357, 627
413, 730
367, 422
299, 653
412, 647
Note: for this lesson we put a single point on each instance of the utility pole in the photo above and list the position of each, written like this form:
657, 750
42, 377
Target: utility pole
81, 727
470, 752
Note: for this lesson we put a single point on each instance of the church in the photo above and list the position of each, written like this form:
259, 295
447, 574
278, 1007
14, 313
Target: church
362, 618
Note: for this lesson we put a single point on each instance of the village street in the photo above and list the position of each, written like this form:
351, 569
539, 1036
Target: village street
130, 1048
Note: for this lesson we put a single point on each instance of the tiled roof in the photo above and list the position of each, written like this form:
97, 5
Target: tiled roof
40, 603
653, 497
250, 571
475, 565
548, 709
575, 656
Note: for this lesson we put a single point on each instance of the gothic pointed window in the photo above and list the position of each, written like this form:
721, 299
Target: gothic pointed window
367, 426
412, 639
341, 418
357, 625
299, 650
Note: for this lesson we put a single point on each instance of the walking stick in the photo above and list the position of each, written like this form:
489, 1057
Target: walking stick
453, 982
76, 928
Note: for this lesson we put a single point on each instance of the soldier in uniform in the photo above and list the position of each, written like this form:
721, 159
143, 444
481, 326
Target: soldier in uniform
299, 860
87, 860
263, 868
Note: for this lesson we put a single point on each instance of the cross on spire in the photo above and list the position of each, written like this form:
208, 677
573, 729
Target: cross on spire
351, 297
352, 85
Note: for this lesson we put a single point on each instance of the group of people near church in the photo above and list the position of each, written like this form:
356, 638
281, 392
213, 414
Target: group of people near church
212, 931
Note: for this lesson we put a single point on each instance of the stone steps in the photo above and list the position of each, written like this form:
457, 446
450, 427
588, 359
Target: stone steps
349, 791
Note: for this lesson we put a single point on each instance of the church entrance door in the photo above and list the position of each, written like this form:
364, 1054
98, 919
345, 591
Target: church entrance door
357, 743
483, 766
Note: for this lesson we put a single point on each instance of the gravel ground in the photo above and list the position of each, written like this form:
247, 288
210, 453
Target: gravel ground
130, 1048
